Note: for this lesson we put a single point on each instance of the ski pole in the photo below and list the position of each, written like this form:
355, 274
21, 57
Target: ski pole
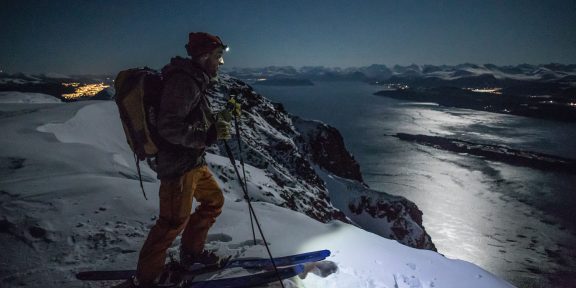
251, 210
232, 106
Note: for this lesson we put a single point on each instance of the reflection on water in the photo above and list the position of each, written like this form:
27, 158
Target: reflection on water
512, 221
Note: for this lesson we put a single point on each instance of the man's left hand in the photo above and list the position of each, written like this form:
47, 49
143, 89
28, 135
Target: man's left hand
222, 129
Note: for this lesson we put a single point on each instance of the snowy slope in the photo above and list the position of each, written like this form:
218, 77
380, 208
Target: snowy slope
70, 201
20, 97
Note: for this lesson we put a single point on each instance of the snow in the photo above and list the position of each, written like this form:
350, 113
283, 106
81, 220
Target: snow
56, 75
70, 201
22, 97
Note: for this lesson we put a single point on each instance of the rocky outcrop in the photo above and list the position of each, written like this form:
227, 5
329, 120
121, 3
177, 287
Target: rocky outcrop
326, 146
398, 212
267, 143
389, 216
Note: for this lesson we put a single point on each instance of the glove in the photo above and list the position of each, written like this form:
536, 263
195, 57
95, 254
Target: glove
224, 115
222, 129
234, 107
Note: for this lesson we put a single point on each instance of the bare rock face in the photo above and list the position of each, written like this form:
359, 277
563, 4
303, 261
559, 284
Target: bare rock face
403, 216
296, 153
392, 217
328, 151
267, 135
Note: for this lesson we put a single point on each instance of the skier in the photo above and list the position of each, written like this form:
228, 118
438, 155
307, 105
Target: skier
186, 125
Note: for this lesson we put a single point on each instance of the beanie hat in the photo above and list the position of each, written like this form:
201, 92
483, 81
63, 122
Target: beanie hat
200, 43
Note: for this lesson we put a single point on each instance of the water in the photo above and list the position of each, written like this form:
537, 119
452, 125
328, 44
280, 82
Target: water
515, 222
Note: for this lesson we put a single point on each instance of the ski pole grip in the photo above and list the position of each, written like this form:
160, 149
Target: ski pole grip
234, 106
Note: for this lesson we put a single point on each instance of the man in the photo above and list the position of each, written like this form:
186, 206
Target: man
186, 125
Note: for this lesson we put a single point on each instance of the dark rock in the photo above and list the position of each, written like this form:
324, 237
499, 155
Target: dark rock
394, 210
327, 148
37, 232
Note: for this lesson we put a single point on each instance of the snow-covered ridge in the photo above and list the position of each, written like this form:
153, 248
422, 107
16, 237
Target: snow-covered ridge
288, 149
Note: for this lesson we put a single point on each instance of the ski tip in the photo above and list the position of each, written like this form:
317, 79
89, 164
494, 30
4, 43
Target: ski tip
321, 253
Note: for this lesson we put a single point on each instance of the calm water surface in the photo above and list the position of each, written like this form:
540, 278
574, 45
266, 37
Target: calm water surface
515, 222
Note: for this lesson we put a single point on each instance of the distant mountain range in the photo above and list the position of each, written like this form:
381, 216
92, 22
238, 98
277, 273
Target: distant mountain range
547, 79
375, 72
430, 74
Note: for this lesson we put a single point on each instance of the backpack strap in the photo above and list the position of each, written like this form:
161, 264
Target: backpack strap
140, 175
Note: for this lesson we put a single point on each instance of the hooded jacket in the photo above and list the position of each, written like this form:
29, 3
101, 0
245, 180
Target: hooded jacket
185, 121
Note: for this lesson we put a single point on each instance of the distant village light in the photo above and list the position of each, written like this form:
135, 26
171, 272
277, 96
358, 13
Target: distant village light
87, 90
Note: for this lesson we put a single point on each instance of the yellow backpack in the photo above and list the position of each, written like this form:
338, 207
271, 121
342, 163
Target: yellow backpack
138, 92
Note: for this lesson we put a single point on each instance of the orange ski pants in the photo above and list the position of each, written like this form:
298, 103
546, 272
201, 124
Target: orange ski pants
175, 206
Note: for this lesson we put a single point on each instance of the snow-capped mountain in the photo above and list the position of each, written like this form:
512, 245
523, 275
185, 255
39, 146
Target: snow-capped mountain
71, 199
524, 72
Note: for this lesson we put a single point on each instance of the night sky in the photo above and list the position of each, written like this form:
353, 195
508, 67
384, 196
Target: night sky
91, 37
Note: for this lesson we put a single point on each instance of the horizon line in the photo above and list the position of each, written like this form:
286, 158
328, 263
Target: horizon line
296, 67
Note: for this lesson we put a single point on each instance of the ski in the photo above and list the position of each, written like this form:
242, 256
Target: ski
105, 275
247, 263
279, 261
249, 280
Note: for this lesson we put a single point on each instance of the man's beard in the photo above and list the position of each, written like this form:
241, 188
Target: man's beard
212, 73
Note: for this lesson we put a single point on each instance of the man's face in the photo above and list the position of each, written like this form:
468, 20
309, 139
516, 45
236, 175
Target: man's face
213, 62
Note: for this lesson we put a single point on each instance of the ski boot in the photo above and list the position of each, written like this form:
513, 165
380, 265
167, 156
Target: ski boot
206, 259
170, 277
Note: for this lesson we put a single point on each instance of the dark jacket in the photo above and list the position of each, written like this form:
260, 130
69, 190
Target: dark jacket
185, 121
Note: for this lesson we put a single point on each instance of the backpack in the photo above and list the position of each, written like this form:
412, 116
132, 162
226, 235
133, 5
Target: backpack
138, 93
